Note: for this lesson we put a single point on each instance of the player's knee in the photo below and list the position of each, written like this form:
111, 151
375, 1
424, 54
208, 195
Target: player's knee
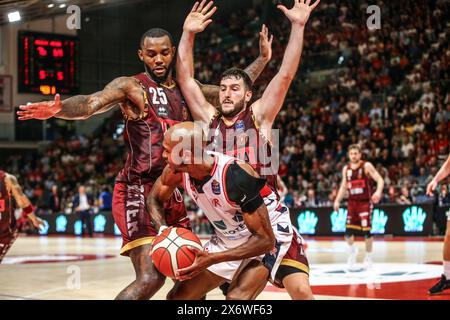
301, 291
151, 280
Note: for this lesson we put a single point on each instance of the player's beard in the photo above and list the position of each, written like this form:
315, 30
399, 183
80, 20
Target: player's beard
238, 107
162, 79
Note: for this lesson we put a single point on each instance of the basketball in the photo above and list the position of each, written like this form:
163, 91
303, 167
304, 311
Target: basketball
170, 250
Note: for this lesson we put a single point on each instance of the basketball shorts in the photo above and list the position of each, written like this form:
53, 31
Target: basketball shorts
359, 217
285, 249
6, 241
133, 219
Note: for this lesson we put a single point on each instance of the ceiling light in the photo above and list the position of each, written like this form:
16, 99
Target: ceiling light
51, 5
62, 5
14, 16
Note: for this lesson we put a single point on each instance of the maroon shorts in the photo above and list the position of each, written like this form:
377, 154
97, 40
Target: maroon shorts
6, 241
294, 261
359, 216
133, 219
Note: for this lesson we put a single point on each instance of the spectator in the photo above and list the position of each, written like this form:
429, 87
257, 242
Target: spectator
82, 204
105, 199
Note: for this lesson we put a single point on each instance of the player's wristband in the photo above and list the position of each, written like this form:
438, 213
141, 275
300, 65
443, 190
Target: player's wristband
161, 229
27, 211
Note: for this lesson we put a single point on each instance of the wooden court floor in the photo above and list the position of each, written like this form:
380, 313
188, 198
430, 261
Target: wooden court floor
83, 268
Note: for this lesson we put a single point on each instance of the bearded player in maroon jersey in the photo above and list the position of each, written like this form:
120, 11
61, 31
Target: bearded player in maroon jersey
10, 189
251, 125
150, 102
356, 179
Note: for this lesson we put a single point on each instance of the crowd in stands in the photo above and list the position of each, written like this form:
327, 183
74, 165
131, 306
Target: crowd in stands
387, 90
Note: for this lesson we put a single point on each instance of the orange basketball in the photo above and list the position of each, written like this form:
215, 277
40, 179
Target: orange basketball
170, 250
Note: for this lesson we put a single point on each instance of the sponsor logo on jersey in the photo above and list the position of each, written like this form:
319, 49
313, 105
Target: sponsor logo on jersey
238, 217
162, 111
220, 224
215, 186
240, 127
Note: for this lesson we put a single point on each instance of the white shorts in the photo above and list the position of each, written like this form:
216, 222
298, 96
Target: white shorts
283, 231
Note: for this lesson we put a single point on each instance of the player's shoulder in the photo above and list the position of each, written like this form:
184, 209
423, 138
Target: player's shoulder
170, 177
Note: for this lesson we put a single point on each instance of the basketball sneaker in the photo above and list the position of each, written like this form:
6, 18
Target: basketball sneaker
442, 285
351, 261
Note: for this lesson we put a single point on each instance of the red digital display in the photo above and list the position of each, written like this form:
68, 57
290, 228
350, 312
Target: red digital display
48, 63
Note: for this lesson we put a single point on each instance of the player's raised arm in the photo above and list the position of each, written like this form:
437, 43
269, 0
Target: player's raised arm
443, 172
161, 191
267, 108
375, 175
22, 200
197, 20
341, 192
84, 106
243, 188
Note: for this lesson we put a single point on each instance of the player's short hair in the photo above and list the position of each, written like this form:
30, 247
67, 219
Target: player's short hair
238, 74
156, 33
355, 147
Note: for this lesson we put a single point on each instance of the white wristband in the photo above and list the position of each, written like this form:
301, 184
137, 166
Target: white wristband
161, 229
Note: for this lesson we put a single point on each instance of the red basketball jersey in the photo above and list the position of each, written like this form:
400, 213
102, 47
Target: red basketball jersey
358, 183
164, 107
243, 140
6, 208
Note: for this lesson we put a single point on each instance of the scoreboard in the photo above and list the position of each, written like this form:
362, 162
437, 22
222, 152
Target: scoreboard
48, 63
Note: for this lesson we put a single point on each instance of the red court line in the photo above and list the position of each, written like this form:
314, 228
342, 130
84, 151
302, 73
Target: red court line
381, 239
408, 290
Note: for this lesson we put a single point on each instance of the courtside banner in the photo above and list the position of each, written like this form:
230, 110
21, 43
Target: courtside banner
397, 220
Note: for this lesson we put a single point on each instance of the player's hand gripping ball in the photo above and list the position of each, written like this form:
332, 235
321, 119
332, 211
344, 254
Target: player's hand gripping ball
170, 250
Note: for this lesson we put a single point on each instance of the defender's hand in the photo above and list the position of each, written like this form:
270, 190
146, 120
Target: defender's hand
431, 187
299, 14
336, 206
265, 44
376, 197
40, 110
199, 17
37, 222
201, 262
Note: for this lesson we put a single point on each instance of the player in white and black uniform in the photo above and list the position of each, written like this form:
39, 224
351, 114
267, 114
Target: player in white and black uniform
253, 232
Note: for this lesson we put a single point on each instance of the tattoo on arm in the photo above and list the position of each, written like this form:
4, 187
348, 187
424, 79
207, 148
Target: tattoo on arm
84, 106
16, 190
256, 68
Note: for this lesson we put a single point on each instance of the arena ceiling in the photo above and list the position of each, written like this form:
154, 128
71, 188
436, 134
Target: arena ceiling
35, 9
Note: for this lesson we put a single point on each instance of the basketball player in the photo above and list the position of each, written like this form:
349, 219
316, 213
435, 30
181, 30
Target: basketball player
10, 189
356, 178
251, 124
150, 102
253, 231
444, 282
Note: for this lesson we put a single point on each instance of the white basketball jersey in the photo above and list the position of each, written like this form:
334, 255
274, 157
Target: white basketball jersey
225, 215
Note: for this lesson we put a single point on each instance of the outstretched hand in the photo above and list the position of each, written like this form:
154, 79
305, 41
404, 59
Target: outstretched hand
265, 43
40, 110
199, 17
299, 14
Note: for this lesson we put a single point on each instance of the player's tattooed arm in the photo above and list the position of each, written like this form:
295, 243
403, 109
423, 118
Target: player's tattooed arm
16, 190
161, 192
255, 69
84, 106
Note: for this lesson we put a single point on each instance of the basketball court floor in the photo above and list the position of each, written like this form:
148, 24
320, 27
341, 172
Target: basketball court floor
50, 267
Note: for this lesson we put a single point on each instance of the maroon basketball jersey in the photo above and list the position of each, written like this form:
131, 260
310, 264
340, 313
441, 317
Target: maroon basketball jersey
358, 183
6, 208
164, 107
244, 141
